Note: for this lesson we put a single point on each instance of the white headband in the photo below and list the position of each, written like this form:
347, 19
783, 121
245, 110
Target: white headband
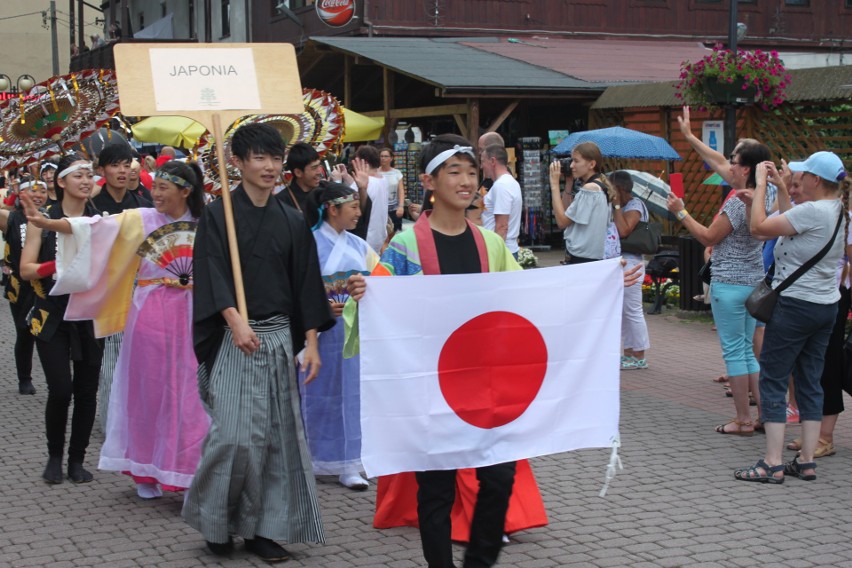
29, 184
74, 168
446, 155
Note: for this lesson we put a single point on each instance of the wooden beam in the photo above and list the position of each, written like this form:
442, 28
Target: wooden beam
420, 112
347, 81
387, 99
460, 123
503, 115
473, 120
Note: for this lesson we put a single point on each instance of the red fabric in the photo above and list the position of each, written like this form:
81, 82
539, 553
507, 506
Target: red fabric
141, 479
162, 160
428, 252
145, 179
46, 269
10, 199
396, 502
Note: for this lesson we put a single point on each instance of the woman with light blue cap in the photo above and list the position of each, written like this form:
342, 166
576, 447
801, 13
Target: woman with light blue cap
798, 331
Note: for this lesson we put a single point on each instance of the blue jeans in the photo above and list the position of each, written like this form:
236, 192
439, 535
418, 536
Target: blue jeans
735, 327
795, 342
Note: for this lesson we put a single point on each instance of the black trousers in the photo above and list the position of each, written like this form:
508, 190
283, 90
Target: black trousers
833, 371
435, 496
24, 345
71, 341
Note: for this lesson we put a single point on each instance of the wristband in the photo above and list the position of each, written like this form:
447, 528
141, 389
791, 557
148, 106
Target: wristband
681, 215
617, 206
46, 269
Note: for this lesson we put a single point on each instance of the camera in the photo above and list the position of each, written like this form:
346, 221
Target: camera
565, 164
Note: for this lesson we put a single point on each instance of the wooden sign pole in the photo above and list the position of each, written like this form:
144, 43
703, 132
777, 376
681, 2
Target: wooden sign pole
212, 84
230, 227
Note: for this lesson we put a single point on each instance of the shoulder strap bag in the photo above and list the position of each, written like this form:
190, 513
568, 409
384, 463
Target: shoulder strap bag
645, 237
761, 302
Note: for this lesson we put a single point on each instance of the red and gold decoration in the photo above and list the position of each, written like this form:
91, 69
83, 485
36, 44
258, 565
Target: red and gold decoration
321, 125
56, 115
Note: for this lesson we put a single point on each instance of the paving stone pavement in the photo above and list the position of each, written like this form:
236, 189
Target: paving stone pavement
676, 502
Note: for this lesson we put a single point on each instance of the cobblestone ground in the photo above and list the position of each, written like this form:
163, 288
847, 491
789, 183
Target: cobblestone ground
675, 503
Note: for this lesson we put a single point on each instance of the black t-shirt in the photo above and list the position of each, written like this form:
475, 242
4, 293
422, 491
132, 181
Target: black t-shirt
105, 203
301, 196
457, 254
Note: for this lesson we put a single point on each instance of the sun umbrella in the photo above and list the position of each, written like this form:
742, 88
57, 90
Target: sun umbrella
715, 179
56, 115
321, 125
653, 191
618, 142
360, 128
169, 130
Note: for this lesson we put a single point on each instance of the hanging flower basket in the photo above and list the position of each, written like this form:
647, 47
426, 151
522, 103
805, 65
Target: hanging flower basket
725, 78
724, 93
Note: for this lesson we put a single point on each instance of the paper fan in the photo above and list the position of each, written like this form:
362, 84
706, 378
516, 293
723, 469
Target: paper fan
55, 115
321, 125
170, 248
335, 284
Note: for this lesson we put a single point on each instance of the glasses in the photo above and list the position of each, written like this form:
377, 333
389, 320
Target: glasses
733, 163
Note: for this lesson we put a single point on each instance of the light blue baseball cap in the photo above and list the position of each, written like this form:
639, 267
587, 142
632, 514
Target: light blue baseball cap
823, 164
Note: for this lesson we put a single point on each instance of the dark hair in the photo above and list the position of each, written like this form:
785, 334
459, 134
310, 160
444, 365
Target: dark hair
300, 156
257, 139
439, 144
370, 155
114, 154
621, 180
191, 173
750, 154
499, 152
64, 163
326, 191
387, 149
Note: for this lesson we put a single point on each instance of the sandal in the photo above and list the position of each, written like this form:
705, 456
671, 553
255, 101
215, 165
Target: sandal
798, 469
721, 379
730, 394
740, 431
768, 476
824, 449
796, 444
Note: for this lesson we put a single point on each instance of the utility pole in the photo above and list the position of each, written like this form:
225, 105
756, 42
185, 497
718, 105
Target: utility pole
731, 109
53, 39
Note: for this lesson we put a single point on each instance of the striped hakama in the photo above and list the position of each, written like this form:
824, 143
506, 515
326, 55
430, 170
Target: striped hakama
112, 346
255, 475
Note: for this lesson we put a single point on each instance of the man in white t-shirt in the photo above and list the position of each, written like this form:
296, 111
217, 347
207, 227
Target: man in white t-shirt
503, 202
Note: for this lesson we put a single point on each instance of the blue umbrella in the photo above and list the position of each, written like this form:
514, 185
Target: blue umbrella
618, 142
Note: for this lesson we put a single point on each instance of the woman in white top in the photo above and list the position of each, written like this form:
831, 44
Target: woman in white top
587, 217
396, 188
628, 211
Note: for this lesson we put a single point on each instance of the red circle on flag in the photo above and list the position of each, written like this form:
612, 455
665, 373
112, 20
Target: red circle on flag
491, 368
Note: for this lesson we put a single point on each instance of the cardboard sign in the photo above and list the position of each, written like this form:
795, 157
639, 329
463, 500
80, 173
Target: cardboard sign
212, 79
203, 79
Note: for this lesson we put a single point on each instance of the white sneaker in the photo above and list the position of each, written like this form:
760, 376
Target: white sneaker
354, 481
148, 490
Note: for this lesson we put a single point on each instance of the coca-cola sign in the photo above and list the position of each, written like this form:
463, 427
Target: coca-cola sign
336, 13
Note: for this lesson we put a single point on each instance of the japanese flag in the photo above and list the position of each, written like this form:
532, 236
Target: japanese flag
476, 369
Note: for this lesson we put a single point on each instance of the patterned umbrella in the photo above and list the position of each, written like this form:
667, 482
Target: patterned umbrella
618, 142
321, 126
56, 115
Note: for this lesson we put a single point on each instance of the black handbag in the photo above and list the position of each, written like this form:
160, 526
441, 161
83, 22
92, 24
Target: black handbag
761, 302
645, 238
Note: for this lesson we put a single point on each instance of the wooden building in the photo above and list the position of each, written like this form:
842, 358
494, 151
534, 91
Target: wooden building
817, 115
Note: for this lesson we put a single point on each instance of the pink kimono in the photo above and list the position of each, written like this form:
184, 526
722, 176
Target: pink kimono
156, 423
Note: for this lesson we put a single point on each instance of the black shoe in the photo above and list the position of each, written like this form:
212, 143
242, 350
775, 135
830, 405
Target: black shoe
78, 474
221, 548
26, 387
268, 550
53, 471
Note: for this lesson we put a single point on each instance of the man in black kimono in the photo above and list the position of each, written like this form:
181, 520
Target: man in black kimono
255, 478
303, 161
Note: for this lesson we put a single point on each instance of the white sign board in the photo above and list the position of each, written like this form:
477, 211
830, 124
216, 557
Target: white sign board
713, 134
212, 79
